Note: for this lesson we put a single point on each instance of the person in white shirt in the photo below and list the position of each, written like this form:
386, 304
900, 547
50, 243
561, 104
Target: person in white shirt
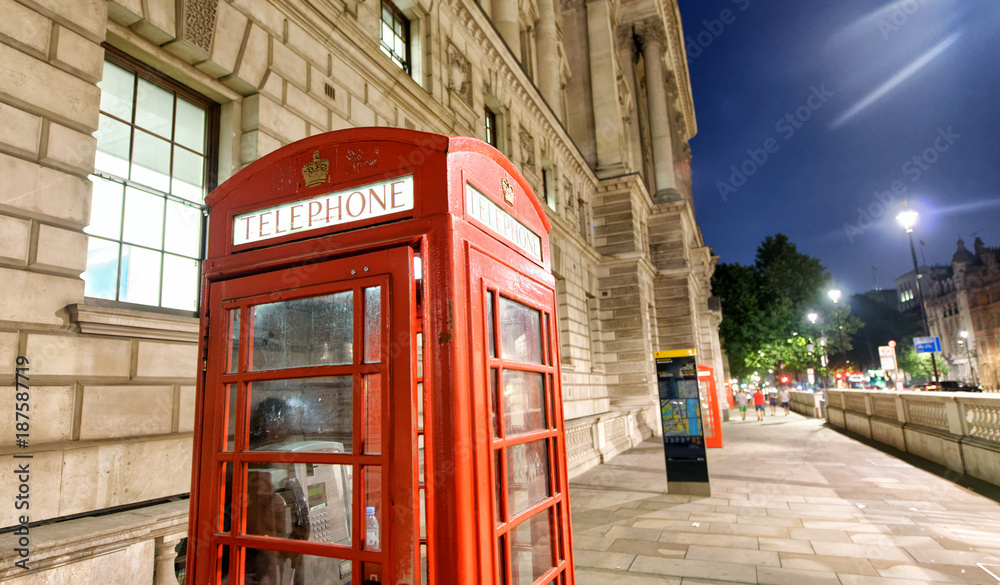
785, 401
741, 401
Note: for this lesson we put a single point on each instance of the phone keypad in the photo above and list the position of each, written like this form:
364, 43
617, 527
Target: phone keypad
320, 527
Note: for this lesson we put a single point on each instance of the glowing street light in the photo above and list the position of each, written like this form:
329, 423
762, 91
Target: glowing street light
908, 218
834, 295
812, 316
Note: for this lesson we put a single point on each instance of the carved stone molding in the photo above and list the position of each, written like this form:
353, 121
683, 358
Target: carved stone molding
459, 74
198, 23
650, 30
527, 148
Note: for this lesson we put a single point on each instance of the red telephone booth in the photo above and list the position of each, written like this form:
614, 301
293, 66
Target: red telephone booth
380, 399
710, 411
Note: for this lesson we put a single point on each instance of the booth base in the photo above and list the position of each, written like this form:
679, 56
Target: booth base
690, 488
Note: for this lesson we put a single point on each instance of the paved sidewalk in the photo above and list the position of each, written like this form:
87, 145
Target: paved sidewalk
793, 503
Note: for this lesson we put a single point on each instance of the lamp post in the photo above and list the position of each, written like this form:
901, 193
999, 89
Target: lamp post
835, 297
907, 218
810, 347
968, 355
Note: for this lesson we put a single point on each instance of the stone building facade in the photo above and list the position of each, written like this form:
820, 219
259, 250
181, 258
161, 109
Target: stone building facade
116, 118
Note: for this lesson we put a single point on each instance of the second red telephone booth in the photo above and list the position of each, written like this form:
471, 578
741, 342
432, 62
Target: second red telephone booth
380, 396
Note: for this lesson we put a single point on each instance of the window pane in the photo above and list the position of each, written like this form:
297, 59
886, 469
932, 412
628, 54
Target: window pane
117, 87
312, 415
190, 130
112, 146
106, 208
520, 332
180, 283
527, 475
183, 235
314, 331
229, 432
234, 341
494, 396
523, 402
372, 485
373, 325
226, 487
143, 218
531, 549
151, 161
154, 109
101, 277
491, 336
300, 501
189, 175
373, 414
498, 484
140, 276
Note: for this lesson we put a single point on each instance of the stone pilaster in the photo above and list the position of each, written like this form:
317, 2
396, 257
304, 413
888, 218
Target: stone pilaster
652, 37
547, 39
608, 125
505, 19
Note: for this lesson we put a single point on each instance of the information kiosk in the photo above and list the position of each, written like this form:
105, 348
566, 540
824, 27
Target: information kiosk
379, 398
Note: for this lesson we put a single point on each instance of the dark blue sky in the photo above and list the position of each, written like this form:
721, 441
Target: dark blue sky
853, 99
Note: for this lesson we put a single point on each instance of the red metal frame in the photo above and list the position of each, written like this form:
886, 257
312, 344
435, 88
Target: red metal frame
711, 414
435, 409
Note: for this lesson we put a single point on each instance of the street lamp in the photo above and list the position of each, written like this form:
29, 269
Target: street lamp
968, 355
908, 218
835, 297
810, 347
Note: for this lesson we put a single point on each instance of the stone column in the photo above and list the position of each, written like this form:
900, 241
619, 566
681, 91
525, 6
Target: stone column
652, 37
608, 125
165, 554
506, 20
547, 39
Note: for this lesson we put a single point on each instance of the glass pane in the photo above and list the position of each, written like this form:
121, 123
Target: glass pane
113, 142
498, 483
520, 332
523, 402
222, 564
180, 283
531, 549
300, 501
372, 497
373, 414
420, 355
140, 276
183, 233
151, 161
154, 108
560, 539
227, 497
266, 567
190, 130
527, 475
420, 405
229, 432
233, 354
189, 175
494, 395
314, 331
491, 334
372, 575
106, 208
420, 458
143, 218
117, 87
310, 415
373, 325
101, 277
386, 14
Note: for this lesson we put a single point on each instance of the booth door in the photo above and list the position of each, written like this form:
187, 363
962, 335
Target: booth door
299, 396
515, 318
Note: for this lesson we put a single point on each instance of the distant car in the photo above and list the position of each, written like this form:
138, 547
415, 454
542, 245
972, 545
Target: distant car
949, 386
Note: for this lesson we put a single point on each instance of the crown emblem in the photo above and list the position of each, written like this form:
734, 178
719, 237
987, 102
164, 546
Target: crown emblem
314, 172
508, 191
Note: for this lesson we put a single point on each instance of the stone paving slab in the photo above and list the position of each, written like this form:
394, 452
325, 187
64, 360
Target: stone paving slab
793, 502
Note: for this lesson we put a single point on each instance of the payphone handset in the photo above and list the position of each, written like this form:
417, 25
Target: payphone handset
316, 497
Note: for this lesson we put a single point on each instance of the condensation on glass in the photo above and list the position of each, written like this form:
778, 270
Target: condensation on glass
313, 331
283, 412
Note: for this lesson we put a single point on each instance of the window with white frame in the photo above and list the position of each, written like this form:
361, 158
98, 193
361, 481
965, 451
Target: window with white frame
395, 35
152, 172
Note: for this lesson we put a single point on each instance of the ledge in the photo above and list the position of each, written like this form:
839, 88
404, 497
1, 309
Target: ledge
132, 323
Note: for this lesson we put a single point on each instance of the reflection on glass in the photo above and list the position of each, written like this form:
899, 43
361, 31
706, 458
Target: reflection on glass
227, 497
527, 475
559, 536
183, 234
311, 415
229, 433
491, 336
154, 108
106, 208
188, 175
180, 283
101, 277
143, 218
151, 161
190, 129
117, 88
498, 483
371, 486
314, 331
140, 276
494, 396
531, 549
113, 142
373, 325
373, 414
233, 355
523, 402
520, 332
299, 501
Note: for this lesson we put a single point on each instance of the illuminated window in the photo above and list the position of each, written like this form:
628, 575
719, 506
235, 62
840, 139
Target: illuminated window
151, 175
395, 35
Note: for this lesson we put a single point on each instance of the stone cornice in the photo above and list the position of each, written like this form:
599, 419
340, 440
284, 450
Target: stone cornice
678, 59
131, 323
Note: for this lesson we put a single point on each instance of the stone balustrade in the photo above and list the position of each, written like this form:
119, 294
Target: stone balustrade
958, 430
807, 403
593, 440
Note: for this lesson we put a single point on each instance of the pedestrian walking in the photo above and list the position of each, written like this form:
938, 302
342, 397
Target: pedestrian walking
741, 401
758, 404
785, 401
772, 400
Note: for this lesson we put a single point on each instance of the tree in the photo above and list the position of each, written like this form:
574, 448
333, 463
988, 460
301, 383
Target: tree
918, 365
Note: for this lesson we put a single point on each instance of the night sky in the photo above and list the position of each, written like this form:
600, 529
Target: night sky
857, 105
